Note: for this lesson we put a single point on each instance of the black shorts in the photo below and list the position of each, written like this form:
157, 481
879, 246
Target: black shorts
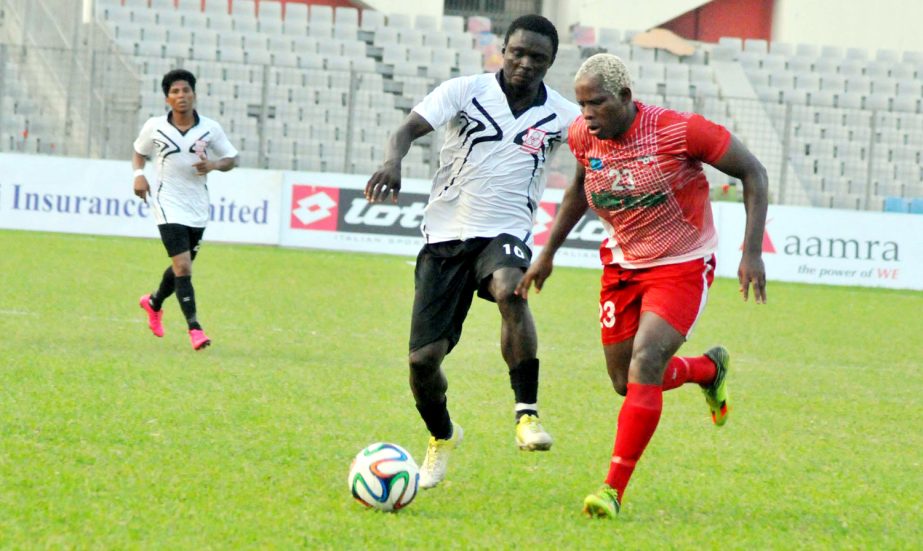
178, 238
447, 276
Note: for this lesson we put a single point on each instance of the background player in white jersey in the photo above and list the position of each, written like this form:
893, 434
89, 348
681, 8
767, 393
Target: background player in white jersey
640, 169
501, 130
185, 147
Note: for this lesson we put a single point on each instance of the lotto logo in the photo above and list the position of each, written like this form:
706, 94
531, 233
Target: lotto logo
314, 208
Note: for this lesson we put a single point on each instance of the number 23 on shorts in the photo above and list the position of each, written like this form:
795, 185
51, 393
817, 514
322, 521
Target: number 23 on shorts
607, 314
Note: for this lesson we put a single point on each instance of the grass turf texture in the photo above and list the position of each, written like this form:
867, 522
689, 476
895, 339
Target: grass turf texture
112, 438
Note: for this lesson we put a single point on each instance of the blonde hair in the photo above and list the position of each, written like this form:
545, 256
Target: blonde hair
611, 71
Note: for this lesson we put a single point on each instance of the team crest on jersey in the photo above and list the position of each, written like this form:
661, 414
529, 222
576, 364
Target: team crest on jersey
596, 164
532, 140
199, 147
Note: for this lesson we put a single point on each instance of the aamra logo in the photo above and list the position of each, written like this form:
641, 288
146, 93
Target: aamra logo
596, 164
314, 208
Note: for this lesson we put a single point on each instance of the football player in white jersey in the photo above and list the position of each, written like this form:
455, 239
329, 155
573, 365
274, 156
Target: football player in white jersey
501, 130
184, 146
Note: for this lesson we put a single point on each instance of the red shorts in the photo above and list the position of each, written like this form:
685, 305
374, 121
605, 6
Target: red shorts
675, 292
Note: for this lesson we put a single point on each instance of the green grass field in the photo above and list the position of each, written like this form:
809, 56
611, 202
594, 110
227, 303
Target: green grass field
111, 438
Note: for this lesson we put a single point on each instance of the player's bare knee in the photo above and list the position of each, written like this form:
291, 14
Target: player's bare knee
424, 361
648, 362
507, 299
620, 386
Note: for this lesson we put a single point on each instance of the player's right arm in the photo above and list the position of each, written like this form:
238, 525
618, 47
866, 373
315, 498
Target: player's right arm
142, 188
388, 177
142, 148
573, 207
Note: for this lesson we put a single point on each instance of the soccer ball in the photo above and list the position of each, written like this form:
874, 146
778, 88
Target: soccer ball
384, 476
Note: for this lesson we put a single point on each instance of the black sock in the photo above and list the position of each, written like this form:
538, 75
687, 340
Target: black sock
186, 297
167, 286
436, 417
524, 381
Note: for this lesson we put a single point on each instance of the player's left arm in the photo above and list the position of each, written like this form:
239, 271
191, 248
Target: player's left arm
739, 162
228, 157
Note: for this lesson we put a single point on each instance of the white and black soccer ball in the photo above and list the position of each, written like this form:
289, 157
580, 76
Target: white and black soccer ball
384, 476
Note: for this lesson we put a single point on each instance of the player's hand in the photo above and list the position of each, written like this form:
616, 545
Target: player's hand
204, 166
537, 273
752, 272
387, 179
142, 188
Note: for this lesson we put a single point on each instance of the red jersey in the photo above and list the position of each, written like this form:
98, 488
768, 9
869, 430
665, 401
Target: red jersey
648, 186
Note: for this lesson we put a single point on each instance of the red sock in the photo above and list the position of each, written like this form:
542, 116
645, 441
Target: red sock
700, 370
638, 420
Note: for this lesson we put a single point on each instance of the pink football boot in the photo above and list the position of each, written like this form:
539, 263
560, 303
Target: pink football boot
154, 317
199, 339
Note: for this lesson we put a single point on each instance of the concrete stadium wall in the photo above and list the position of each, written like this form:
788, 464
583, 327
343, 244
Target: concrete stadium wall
618, 14
890, 24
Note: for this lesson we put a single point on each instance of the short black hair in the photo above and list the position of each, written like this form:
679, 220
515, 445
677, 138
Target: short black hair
537, 24
173, 76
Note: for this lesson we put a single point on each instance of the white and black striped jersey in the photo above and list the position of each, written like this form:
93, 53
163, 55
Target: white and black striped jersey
492, 167
179, 195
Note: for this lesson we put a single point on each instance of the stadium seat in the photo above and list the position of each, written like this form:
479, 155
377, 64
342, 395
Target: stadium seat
857, 53
296, 13
220, 23
270, 25
372, 20
399, 21
169, 19
849, 100
827, 65
905, 103
270, 10
435, 39
426, 22
453, 24
245, 24
807, 50
346, 15
757, 45
320, 31
830, 51
913, 57
343, 31
143, 17
782, 48
887, 55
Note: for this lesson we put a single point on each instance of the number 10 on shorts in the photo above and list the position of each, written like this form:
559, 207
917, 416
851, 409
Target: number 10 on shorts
513, 249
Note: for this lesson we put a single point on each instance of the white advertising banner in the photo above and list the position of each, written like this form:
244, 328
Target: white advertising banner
95, 197
833, 247
329, 211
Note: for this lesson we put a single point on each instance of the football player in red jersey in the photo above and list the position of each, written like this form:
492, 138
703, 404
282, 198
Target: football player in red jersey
640, 170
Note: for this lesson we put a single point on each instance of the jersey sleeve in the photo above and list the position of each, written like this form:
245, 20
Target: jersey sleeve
443, 103
569, 112
144, 143
576, 140
220, 145
705, 140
